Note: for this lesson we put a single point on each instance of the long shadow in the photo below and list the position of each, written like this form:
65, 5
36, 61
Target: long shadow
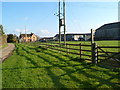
91, 76
52, 75
66, 70
88, 66
27, 58
42, 48
103, 81
69, 57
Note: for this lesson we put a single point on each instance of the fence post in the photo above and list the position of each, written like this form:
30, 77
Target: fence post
80, 51
94, 53
97, 53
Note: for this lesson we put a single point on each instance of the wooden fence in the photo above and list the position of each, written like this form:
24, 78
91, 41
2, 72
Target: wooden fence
111, 54
93, 52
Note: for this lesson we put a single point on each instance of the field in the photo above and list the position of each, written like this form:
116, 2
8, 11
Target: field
31, 66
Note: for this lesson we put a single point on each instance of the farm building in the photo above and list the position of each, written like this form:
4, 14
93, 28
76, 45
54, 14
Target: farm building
28, 37
47, 39
109, 31
74, 37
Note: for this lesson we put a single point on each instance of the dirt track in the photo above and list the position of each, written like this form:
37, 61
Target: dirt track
5, 52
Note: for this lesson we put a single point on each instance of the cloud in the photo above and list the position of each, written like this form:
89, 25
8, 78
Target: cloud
22, 30
44, 32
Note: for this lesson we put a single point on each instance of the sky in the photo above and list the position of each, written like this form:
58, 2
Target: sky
119, 11
39, 18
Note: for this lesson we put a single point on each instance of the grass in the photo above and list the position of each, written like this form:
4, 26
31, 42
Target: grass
34, 67
99, 43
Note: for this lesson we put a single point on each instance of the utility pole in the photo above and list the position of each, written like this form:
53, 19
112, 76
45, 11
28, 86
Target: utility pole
59, 24
64, 22
25, 34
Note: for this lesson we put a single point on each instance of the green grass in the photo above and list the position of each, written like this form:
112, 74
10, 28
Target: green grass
33, 67
99, 43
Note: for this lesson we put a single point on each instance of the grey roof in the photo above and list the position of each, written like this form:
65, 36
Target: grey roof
109, 26
74, 34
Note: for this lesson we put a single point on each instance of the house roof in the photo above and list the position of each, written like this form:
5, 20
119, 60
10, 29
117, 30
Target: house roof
109, 26
28, 35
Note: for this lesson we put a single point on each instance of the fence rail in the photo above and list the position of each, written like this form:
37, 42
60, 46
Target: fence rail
96, 52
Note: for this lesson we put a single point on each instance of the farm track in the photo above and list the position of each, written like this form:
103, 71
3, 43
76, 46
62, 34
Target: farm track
6, 52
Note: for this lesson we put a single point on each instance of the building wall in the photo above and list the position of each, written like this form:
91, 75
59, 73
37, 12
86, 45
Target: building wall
73, 37
77, 37
34, 38
107, 34
30, 39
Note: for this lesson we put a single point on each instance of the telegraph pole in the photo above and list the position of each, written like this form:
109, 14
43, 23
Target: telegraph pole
64, 22
25, 34
59, 24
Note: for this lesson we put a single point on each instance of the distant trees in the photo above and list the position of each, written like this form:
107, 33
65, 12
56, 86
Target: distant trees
1, 30
12, 38
3, 37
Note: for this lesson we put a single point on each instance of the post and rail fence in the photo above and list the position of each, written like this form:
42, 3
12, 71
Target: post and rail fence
93, 52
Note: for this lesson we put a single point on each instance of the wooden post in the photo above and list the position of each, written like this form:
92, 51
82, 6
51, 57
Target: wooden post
64, 21
59, 24
80, 51
92, 36
97, 55
66, 49
94, 53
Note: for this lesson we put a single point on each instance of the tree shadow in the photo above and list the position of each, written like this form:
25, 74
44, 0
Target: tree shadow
83, 72
56, 79
103, 81
68, 72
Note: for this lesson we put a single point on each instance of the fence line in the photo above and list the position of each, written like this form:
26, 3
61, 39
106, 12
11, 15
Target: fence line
96, 51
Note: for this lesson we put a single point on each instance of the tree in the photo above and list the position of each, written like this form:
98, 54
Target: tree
12, 38
1, 30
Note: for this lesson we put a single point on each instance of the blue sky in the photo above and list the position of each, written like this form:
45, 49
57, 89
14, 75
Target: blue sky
0, 12
39, 16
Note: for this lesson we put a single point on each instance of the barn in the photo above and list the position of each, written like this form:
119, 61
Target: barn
109, 31
74, 36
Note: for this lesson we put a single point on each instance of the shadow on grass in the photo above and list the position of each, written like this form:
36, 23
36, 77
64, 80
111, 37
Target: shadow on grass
80, 71
81, 83
68, 72
50, 73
